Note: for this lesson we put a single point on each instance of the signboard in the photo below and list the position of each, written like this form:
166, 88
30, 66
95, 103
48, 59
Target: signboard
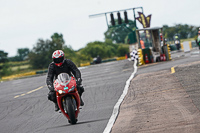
186, 46
145, 21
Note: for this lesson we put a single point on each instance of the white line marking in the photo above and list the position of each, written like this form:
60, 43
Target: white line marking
117, 105
82, 67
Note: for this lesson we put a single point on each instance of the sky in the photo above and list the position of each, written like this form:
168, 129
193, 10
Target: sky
23, 22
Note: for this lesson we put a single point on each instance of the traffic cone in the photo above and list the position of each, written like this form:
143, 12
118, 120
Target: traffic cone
161, 57
164, 57
126, 56
146, 59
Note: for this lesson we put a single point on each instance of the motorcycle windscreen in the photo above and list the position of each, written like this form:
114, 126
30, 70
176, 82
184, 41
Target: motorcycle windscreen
63, 79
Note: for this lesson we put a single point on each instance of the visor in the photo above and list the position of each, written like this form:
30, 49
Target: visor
58, 60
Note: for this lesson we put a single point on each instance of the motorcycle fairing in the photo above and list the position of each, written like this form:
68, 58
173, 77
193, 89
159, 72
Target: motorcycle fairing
68, 87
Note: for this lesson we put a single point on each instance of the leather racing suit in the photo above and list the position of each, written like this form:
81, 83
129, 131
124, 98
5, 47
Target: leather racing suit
67, 67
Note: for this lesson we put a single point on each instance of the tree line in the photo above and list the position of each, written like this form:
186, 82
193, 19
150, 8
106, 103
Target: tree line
40, 55
183, 30
115, 44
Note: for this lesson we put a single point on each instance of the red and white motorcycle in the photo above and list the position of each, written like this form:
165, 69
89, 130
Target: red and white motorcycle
67, 96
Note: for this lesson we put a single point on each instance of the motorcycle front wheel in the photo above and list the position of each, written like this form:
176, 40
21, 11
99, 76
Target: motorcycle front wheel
70, 110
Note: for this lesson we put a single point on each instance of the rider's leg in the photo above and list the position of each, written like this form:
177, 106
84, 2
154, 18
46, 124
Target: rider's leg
80, 92
52, 97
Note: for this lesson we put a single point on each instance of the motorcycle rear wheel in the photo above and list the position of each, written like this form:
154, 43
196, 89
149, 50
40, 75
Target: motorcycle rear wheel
70, 110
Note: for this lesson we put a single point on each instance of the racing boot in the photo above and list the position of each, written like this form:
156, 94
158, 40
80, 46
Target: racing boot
56, 107
82, 103
80, 92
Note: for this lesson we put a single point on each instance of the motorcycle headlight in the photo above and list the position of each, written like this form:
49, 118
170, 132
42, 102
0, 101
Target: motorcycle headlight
60, 91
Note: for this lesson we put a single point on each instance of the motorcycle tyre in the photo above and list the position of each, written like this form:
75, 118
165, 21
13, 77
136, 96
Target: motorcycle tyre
71, 111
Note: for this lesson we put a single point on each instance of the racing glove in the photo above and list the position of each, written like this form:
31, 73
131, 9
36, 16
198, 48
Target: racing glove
79, 82
51, 88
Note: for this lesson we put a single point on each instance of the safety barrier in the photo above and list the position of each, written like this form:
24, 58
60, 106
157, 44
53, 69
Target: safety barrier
104, 61
24, 74
121, 58
169, 53
42, 71
45, 71
19, 75
140, 55
85, 64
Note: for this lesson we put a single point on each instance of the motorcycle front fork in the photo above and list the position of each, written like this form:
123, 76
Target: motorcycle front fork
64, 104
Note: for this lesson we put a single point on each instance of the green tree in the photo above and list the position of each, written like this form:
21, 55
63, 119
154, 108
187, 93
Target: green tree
184, 30
22, 53
41, 54
93, 49
103, 49
4, 66
111, 49
14, 58
119, 33
58, 39
3, 56
72, 55
69, 52
122, 50
6, 70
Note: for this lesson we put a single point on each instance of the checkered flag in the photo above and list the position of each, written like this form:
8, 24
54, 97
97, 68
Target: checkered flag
134, 55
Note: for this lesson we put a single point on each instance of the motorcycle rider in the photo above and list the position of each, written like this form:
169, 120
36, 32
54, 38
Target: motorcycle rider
177, 41
62, 65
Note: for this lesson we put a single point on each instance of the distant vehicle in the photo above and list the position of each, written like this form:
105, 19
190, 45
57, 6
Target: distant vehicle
97, 60
177, 41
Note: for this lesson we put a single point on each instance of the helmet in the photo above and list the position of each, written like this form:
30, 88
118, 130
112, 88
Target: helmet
58, 57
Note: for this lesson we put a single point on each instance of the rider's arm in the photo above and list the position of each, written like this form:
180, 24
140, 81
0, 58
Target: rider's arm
50, 77
75, 71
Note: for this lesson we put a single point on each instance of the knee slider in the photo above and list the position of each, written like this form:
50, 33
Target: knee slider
52, 96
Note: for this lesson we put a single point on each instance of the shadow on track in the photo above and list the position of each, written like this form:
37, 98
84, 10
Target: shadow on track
84, 122
78, 123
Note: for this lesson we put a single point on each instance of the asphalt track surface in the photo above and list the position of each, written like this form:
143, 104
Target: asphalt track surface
159, 101
24, 107
177, 59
